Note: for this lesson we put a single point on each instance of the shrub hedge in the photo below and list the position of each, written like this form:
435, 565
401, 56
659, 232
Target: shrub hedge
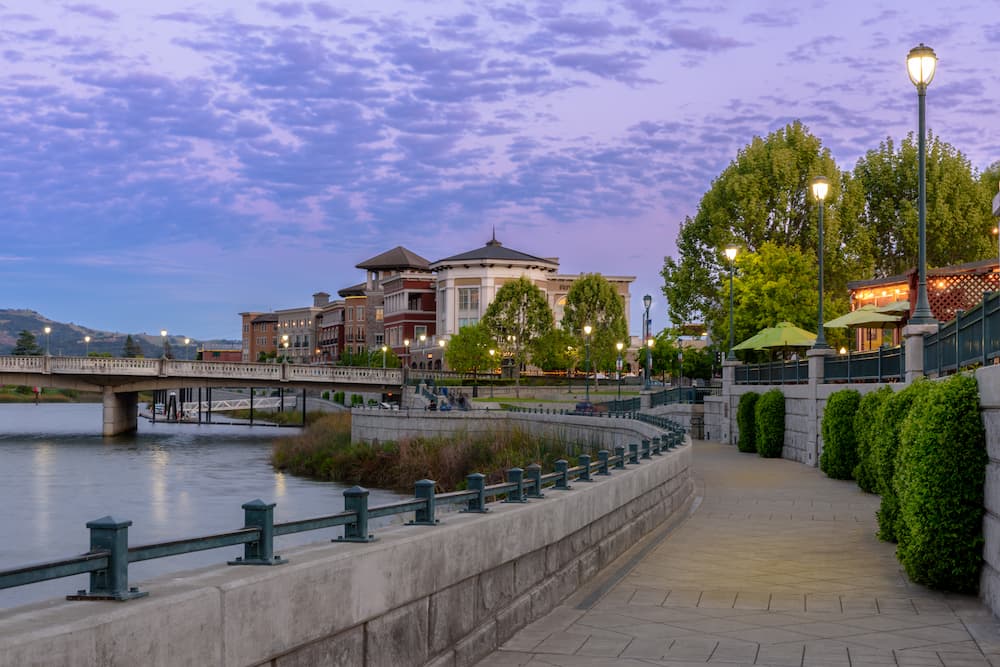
770, 422
746, 421
866, 425
840, 447
885, 444
940, 470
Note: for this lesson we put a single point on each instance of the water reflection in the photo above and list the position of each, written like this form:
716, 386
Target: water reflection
172, 480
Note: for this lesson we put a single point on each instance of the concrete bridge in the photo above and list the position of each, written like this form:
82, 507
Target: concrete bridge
120, 380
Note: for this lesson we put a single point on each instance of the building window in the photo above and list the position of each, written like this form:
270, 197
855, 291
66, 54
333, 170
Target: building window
418, 331
379, 339
361, 314
468, 298
350, 314
467, 321
378, 314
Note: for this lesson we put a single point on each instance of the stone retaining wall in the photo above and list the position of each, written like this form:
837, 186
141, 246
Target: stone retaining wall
443, 595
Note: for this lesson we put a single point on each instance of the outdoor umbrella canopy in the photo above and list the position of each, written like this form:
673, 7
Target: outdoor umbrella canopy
895, 308
785, 334
866, 316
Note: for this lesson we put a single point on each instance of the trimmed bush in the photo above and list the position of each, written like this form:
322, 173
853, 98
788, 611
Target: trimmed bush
940, 470
840, 447
866, 425
769, 416
746, 421
883, 455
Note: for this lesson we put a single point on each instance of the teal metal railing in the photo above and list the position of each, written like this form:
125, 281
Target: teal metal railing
680, 395
887, 364
971, 339
775, 372
109, 555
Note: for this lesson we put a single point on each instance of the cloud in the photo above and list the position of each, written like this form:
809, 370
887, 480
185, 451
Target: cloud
702, 39
772, 19
621, 66
93, 11
287, 10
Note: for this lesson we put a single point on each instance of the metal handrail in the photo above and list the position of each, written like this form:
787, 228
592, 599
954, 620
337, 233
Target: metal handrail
109, 556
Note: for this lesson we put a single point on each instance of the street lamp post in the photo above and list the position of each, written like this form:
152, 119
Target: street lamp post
618, 366
406, 366
820, 186
86, 339
48, 331
921, 63
187, 349
647, 301
163, 335
586, 332
492, 369
569, 369
731, 252
384, 349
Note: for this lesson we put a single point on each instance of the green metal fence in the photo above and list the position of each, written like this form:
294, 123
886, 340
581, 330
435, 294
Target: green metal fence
680, 395
971, 339
109, 555
775, 372
887, 364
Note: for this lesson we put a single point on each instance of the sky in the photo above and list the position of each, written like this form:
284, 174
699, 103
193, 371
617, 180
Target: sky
171, 164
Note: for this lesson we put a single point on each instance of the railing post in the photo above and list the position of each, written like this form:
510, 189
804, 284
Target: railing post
602, 462
633, 453
562, 467
645, 449
424, 489
356, 500
260, 515
583, 460
534, 473
516, 476
620, 456
657, 446
959, 314
982, 330
107, 534
476, 482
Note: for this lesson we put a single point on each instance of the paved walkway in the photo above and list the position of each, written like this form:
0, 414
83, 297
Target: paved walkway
778, 565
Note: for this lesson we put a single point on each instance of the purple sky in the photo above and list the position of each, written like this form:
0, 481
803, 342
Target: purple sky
170, 167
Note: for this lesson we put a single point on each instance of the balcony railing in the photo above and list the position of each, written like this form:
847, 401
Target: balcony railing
972, 338
775, 372
887, 364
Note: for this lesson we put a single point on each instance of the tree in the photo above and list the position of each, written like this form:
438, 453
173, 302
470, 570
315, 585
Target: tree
555, 351
469, 349
518, 315
593, 300
132, 348
884, 201
26, 345
761, 197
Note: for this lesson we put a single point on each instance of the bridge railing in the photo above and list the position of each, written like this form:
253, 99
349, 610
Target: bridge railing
109, 555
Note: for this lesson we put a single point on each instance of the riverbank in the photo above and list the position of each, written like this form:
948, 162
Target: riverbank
13, 394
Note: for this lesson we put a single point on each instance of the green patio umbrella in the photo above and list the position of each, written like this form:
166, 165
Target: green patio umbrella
864, 317
895, 308
785, 334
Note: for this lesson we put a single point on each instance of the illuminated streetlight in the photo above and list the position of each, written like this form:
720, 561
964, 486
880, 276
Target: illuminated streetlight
731, 252
820, 186
284, 344
187, 349
384, 349
492, 370
163, 335
586, 332
647, 301
618, 365
921, 63
48, 331
86, 339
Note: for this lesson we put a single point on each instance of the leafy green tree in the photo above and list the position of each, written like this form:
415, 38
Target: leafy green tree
26, 345
593, 300
698, 362
373, 359
132, 348
518, 315
959, 220
760, 198
555, 351
469, 349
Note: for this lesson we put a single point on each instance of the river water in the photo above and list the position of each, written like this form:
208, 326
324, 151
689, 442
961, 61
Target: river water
171, 480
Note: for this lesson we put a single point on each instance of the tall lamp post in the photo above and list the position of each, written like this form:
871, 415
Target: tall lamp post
586, 333
820, 186
731, 251
86, 340
441, 344
569, 369
48, 331
284, 344
384, 349
163, 335
647, 301
618, 366
921, 62
187, 349
492, 369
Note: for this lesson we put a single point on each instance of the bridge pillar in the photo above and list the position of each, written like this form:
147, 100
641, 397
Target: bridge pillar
121, 412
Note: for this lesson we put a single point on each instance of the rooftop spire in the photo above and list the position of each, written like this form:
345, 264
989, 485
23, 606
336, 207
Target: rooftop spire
493, 241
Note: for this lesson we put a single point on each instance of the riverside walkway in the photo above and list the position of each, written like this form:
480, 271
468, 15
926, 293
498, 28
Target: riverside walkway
776, 565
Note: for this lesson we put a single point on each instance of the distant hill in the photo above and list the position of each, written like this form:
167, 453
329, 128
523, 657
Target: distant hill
66, 339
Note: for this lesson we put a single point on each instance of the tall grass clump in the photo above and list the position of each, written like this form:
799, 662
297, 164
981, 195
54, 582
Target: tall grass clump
325, 451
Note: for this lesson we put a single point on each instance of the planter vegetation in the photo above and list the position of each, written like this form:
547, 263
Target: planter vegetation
866, 426
770, 422
941, 466
840, 447
746, 421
